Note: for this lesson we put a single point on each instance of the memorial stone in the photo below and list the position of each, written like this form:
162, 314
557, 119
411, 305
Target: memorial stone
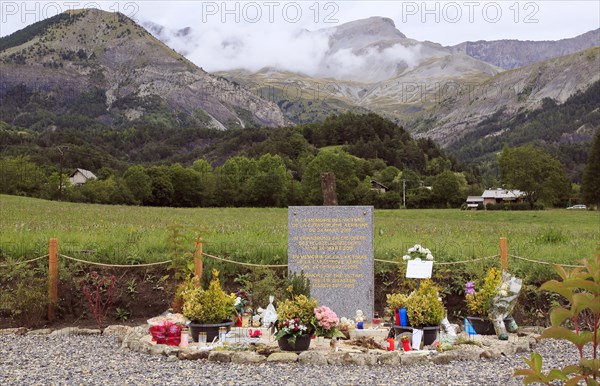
333, 245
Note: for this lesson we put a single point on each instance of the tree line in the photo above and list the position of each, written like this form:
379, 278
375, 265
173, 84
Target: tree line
279, 167
240, 182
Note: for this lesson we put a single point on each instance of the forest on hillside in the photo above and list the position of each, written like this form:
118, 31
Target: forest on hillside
245, 167
168, 158
563, 130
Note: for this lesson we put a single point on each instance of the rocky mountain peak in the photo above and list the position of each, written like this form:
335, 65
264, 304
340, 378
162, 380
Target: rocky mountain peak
133, 74
364, 32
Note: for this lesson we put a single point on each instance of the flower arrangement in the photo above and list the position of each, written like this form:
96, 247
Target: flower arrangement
300, 307
291, 329
242, 299
166, 329
207, 306
418, 252
325, 322
480, 301
301, 316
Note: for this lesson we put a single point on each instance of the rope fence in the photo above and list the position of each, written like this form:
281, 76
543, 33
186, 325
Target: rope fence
440, 263
245, 264
115, 265
544, 262
25, 261
53, 255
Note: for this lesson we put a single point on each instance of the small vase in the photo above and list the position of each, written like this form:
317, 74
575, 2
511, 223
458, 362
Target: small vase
403, 317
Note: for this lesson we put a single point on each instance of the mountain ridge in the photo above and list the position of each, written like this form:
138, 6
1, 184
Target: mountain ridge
513, 53
93, 48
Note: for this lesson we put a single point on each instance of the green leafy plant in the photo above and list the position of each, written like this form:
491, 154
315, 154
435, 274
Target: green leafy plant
23, 294
424, 308
207, 306
181, 260
296, 284
263, 283
300, 306
132, 287
160, 283
149, 278
122, 314
395, 301
581, 288
479, 303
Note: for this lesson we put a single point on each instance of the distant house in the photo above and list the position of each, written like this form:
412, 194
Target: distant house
495, 196
81, 176
379, 187
500, 195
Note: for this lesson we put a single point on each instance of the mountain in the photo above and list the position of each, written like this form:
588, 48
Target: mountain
564, 130
509, 93
369, 65
95, 67
510, 54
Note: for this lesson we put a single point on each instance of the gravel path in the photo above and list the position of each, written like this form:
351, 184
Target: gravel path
96, 360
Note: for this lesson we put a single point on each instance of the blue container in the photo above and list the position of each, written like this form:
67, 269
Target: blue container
359, 325
403, 317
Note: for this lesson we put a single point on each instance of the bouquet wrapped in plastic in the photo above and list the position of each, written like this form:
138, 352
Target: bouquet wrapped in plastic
166, 329
503, 303
270, 315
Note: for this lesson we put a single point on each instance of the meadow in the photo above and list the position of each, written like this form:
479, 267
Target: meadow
130, 235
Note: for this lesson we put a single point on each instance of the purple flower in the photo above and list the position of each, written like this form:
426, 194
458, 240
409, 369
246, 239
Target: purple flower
470, 288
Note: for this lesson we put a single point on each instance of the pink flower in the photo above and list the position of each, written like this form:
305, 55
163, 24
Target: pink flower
326, 317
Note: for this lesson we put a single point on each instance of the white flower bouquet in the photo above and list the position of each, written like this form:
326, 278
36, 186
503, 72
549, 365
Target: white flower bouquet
418, 252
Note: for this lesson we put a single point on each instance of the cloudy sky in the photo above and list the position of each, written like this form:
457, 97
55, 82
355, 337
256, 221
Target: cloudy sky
224, 34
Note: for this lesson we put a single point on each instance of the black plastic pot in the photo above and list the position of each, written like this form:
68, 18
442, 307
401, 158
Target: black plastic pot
302, 343
212, 330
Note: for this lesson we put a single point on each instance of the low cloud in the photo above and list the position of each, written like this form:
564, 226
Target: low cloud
226, 47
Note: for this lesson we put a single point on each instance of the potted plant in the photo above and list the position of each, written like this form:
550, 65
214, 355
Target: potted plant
208, 309
425, 310
479, 302
299, 318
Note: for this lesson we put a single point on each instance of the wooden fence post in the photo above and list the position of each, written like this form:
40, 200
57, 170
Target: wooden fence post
198, 259
503, 254
52, 277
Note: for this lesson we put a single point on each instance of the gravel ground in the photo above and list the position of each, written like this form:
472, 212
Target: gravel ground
96, 360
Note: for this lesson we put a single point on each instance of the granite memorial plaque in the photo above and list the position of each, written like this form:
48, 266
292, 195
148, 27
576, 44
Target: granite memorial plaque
333, 245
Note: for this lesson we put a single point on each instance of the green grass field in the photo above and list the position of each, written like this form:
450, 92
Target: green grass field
121, 234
